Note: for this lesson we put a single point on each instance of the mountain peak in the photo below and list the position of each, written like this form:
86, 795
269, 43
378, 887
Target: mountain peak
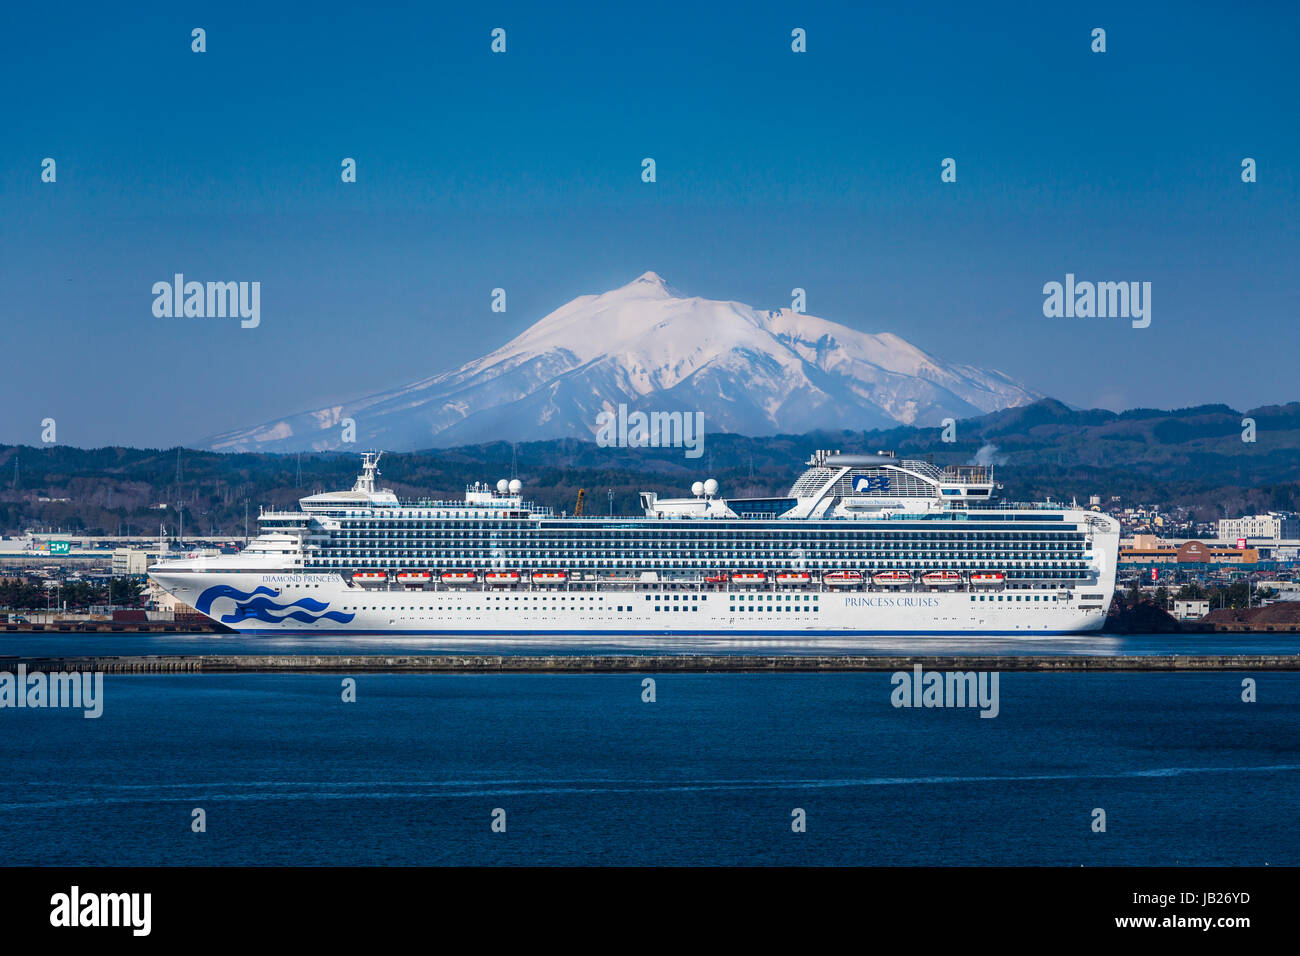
651, 283
644, 344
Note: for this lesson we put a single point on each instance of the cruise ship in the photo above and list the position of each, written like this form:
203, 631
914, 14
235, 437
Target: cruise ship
863, 545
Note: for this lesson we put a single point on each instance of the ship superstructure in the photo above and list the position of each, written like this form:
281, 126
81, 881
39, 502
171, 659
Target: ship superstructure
861, 545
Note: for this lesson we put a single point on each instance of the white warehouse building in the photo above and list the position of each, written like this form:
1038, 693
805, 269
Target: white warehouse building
1274, 526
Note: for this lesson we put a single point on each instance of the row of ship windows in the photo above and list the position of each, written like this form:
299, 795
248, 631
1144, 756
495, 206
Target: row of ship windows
797, 608
631, 524
629, 559
686, 560
714, 526
327, 564
768, 605
692, 599
699, 553
710, 540
619, 608
767, 522
501, 601
681, 540
587, 544
917, 524
493, 607
735, 597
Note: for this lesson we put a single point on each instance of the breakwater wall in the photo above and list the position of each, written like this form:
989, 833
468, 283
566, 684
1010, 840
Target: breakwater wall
638, 664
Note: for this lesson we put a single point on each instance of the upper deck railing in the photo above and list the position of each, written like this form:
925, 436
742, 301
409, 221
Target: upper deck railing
973, 474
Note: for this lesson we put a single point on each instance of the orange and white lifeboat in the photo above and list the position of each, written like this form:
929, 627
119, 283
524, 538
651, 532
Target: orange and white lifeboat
941, 579
842, 579
369, 577
459, 577
414, 579
749, 577
987, 579
891, 579
720, 578
550, 577
501, 579
793, 579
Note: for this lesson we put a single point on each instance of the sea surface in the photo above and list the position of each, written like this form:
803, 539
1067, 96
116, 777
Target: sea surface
586, 771
71, 645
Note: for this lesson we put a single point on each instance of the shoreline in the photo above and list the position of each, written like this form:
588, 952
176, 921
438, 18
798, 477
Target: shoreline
640, 664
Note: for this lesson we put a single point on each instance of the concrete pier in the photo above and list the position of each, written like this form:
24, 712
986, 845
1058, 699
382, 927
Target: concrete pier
637, 664
191, 626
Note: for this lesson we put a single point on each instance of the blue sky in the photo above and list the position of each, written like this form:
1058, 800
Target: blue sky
775, 170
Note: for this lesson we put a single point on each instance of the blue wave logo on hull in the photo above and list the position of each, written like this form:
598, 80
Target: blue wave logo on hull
250, 605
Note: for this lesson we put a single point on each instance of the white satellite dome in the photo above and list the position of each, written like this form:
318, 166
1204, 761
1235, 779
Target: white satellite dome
697, 489
711, 486
516, 486
502, 485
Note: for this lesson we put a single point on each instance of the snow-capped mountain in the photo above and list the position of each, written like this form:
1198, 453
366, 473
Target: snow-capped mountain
749, 371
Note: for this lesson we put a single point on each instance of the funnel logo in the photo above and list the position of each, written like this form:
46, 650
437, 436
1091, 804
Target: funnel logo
871, 484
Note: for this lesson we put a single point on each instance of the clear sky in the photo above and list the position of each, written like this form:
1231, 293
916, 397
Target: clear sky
522, 170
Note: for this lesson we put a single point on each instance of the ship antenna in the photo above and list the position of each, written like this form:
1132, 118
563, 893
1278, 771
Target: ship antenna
369, 469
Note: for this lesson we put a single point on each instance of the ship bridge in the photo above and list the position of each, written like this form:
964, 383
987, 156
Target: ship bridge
836, 485
840, 485
364, 493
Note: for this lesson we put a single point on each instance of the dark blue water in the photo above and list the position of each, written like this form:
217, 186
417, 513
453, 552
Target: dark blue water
62, 645
587, 773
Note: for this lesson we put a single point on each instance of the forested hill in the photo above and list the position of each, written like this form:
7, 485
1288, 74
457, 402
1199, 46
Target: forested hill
1195, 457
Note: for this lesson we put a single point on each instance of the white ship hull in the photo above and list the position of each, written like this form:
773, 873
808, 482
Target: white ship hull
324, 604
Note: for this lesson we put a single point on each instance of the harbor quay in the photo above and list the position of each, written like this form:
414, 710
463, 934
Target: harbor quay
642, 664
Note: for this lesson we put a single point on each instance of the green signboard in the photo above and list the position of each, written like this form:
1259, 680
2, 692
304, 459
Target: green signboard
60, 547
